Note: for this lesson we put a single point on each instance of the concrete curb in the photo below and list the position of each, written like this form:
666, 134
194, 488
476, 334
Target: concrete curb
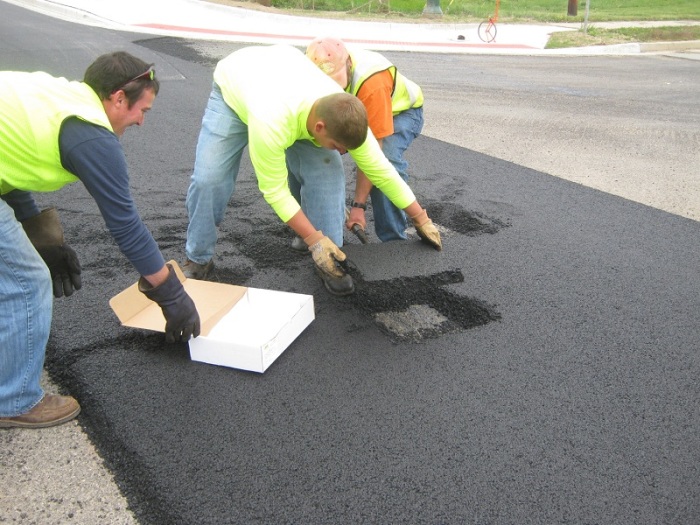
653, 47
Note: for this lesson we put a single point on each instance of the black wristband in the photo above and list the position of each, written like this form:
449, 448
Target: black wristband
361, 205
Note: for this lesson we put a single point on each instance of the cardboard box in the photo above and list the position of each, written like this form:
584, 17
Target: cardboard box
245, 328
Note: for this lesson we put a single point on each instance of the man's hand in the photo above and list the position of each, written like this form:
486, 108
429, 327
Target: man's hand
181, 317
355, 222
46, 234
325, 253
356, 216
426, 230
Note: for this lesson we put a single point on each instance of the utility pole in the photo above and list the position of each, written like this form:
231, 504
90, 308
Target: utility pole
573, 8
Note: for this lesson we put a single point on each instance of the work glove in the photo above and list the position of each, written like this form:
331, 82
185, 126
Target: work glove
426, 230
46, 233
325, 254
181, 317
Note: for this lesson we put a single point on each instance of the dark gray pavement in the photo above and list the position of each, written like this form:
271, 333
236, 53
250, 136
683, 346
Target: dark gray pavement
556, 382
541, 369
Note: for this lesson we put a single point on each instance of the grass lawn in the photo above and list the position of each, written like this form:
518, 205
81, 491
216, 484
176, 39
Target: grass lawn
509, 10
599, 36
514, 11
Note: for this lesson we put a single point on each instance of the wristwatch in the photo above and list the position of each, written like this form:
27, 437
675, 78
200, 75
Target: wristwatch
361, 205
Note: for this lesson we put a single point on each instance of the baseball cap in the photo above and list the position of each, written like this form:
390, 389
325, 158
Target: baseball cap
331, 56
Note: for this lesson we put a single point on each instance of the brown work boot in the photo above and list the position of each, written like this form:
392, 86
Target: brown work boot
193, 270
52, 410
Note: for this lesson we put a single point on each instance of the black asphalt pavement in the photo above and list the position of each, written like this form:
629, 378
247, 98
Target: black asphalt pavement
542, 368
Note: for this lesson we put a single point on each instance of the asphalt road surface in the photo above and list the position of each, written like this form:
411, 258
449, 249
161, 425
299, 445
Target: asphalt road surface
541, 369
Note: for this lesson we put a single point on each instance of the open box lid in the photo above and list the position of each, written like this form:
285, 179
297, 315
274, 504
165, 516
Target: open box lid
213, 301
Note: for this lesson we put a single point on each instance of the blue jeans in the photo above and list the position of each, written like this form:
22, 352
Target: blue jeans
317, 172
389, 221
317, 181
26, 303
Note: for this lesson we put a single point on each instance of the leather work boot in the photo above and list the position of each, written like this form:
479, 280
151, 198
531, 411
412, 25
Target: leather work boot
52, 410
336, 285
193, 270
298, 245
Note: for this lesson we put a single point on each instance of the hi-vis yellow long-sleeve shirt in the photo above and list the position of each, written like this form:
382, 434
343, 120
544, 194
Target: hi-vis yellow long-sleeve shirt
272, 89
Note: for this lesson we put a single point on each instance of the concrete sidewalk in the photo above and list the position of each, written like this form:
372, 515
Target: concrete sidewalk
202, 19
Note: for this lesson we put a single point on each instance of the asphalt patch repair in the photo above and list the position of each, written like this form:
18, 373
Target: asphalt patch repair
572, 396
401, 286
417, 304
578, 404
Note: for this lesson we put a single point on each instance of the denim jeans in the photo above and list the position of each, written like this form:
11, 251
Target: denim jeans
26, 303
317, 181
390, 222
317, 173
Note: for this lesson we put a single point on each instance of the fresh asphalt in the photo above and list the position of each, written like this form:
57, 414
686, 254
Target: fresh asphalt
553, 382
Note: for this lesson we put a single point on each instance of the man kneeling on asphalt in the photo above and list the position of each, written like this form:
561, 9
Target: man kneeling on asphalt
297, 122
54, 132
395, 113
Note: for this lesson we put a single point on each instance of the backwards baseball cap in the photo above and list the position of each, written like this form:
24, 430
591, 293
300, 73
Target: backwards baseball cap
330, 55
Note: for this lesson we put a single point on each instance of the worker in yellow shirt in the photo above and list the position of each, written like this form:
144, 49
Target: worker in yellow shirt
55, 132
296, 123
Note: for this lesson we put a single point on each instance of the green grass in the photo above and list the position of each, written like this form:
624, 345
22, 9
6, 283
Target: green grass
519, 11
511, 10
597, 36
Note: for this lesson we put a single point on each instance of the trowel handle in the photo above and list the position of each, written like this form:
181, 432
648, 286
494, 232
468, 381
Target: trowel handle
357, 229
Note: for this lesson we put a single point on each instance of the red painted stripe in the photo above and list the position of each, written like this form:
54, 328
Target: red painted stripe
355, 41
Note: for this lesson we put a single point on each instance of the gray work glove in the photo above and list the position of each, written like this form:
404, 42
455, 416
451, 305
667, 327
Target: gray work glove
46, 233
325, 254
181, 317
426, 230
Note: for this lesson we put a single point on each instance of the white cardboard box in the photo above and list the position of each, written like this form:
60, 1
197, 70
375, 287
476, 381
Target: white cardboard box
245, 328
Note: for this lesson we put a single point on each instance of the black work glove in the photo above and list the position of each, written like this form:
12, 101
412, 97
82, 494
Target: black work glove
65, 269
181, 317
46, 233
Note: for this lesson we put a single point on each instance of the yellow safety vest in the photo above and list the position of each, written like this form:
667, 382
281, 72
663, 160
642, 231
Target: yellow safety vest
405, 94
32, 108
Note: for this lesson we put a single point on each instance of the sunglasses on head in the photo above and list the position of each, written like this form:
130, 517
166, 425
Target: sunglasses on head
149, 74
